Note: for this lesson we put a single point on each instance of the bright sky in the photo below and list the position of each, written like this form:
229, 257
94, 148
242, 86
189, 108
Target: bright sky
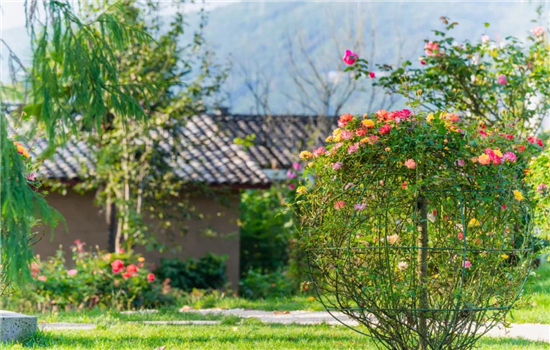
13, 11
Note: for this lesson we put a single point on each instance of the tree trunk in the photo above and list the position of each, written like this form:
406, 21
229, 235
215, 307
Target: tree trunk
111, 216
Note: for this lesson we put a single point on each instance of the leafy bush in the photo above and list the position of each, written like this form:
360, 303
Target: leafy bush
257, 284
495, 80
208, 272
120, 281
418, 221
267, 226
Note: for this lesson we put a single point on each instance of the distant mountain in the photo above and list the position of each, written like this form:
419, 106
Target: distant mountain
255, 36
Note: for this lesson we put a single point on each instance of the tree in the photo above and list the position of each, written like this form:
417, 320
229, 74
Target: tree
74, 71
133, 177
495, 82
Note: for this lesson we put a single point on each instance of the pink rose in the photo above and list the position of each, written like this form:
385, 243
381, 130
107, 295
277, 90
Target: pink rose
290, 174
371, 74
32, 177
538, 31
349, 57
502, 79
318, 152
360, 207
42, 278
431, 48
337, 165
296, 166
339, 205
410, 163
509, 156
353, 148
346, 135
72, 272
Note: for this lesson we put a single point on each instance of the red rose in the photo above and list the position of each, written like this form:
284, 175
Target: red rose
384, 129
151, 277
117, 265
131, 268
127, 274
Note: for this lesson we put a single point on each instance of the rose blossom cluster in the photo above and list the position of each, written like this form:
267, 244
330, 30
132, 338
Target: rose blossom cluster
131, 270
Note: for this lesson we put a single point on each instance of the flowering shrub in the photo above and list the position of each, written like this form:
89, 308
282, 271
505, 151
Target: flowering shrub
498, 80
411, 224
119, 280
539, 179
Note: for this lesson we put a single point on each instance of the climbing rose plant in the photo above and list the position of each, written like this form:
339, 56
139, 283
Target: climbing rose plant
497, 80
414, 225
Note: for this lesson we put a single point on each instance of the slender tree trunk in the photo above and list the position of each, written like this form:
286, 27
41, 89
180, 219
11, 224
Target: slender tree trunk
111, 217
423, 271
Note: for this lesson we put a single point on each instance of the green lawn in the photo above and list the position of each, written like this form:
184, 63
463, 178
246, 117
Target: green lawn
534, 307
247, 334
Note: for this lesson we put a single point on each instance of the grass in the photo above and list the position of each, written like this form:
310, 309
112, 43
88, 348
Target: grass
118, 330
534, 306
246, 334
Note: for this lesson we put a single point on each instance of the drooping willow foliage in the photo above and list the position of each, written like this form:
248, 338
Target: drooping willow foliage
71, 82
418, 227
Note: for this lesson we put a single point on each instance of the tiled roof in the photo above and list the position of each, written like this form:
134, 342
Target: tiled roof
278, 139
206, 155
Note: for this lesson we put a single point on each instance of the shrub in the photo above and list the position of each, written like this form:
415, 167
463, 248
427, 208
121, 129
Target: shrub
267, 226
414, 224
256, 285
120, 281
208, 272
499, 81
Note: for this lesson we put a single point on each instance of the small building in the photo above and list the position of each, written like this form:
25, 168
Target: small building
229, 152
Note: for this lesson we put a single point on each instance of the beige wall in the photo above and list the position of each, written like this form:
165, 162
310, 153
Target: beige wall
85, 222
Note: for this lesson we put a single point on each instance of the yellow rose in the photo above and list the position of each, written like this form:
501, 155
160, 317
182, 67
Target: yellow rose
305, 155
429, 118
498, 152
301, 190
518, 195
368, 123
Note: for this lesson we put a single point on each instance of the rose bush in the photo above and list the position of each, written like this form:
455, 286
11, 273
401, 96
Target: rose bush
414, 224
97, 279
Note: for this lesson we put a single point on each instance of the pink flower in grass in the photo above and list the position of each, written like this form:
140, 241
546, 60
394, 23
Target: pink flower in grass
460, 162
542, 187
42, 278
337, 165
72, 272
339, 205
349, 57
360, 207
467, 264
410, 163
291, 186
32, 177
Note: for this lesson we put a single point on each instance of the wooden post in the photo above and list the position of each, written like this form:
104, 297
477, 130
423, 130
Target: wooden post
423, 271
